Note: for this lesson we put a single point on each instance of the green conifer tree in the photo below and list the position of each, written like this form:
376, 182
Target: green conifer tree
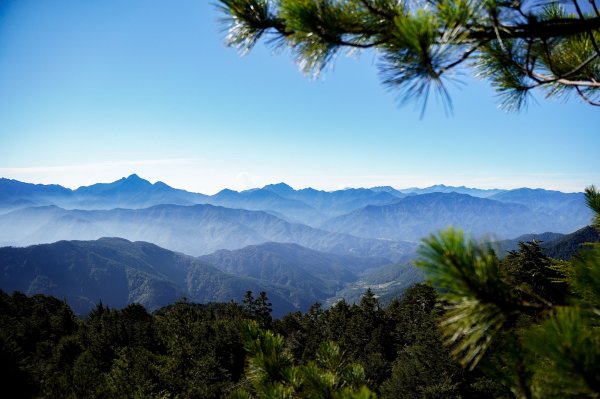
517, 45
540, 347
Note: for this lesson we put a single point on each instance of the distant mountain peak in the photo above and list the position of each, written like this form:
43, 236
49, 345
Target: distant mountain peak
279, 187
133, 177
226, 192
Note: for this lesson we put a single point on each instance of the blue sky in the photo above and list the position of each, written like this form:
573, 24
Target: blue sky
95, 90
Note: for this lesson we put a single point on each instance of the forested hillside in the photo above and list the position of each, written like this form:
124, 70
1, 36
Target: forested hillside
214, 350
197, 351
119, 272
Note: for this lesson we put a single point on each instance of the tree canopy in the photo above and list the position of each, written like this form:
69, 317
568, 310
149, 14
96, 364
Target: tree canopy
533, 320
517, 45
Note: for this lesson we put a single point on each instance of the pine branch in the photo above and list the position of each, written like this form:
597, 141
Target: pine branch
586, 98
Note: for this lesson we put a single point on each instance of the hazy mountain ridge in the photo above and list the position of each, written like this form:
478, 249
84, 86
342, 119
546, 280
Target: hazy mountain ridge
502, 247
420, 215
554, 245
334, 203
265, 200
257, 248
441, 188
378, 213
194, 230
119, 272
318, 274
130, 192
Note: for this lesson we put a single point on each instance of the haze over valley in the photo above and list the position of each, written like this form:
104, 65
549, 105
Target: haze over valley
133, 241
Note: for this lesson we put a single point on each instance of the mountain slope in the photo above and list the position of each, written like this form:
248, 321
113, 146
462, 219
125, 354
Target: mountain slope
194, 230
334, 203
504, 246
554, 245
15, 194
265, 200
540, 199
417, 216
118, 272
568, 210
440, 188
567, 246
131, 192
318, 273
387, 282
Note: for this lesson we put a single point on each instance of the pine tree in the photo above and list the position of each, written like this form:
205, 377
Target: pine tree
517, 45
540, 347
263, 311
272, 373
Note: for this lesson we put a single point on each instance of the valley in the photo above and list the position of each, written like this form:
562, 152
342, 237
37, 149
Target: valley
132, 241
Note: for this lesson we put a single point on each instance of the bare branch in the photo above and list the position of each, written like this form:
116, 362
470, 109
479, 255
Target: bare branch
463, 58
586, 98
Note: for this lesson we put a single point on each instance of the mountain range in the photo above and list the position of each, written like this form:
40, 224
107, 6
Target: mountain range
301, 246
194, 230
316, 273
118, 272
420, 215
554, 245
379, 212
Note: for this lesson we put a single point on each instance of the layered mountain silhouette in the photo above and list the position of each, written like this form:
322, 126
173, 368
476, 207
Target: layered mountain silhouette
554, 245
343, 221
441, 188
420, 215
118, 272
128, 192
335, 203
317, 273
194, 230
301, 246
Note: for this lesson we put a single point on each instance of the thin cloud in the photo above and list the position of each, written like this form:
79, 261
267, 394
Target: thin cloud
97, 166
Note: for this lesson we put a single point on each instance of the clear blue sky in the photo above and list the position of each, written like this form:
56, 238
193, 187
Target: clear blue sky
96, 90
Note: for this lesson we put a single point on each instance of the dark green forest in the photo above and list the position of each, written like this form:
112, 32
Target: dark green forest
189, 350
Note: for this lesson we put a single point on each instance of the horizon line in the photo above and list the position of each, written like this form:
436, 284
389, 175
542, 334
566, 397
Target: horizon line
401, 189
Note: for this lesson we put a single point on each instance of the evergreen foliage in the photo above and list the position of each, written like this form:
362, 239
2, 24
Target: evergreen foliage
187, 350
532, 323
517, 45
525, 326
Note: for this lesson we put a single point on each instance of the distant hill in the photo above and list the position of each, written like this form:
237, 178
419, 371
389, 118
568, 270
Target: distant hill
334, 203
389, 190
318, 274
382, 213
417, 216
569, 210
387, 283
554, 245
569, 245
119, 272
440, 188
194, 230
15, 194
502, 247
540, 199
307, 206
131, 192
265, 200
